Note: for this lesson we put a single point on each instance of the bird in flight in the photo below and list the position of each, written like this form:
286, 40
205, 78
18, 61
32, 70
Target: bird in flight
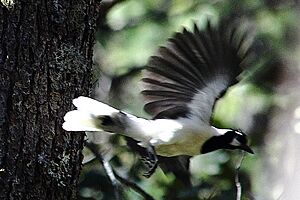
181, 86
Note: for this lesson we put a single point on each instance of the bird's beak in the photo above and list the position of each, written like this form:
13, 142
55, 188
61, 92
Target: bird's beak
247, 149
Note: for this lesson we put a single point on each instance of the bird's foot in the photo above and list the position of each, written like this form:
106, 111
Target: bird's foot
150, 161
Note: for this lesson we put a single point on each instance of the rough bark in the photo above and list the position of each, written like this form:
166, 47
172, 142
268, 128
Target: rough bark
45, 61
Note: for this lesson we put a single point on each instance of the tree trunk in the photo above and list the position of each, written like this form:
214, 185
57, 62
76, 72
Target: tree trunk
45, 61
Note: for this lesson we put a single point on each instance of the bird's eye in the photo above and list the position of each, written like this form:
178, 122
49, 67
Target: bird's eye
242, 139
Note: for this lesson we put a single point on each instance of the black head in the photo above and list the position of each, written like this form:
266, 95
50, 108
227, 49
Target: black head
232, 139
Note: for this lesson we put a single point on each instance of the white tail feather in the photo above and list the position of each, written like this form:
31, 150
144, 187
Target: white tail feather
91, 114
84, 119
93, 106
76, 120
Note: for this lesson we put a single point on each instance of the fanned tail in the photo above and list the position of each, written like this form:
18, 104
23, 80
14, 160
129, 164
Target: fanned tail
89, 116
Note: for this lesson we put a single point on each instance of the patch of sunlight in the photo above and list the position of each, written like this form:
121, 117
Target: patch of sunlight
239, 103
123, 13
297, 113
208, 164
90, 193
199, 16
297, 127
133, 47
268, 23
178, 7
158, 183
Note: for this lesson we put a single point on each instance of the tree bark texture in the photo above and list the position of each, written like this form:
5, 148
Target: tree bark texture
45, 61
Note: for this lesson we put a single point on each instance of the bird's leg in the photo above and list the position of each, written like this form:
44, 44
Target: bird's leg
150, 161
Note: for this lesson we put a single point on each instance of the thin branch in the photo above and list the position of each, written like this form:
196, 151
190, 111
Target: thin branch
111, 175
108, 169
114, 176
237, 181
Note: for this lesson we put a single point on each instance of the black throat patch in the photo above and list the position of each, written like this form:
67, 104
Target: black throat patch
215, 143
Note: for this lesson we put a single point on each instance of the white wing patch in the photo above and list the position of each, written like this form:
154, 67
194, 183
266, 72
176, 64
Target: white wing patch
202, 104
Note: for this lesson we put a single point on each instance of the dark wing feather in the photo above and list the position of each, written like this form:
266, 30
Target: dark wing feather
193, 71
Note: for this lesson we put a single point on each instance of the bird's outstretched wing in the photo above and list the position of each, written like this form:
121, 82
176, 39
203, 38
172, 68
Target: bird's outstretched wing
187, 76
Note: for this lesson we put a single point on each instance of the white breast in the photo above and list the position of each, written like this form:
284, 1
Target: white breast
186, 140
